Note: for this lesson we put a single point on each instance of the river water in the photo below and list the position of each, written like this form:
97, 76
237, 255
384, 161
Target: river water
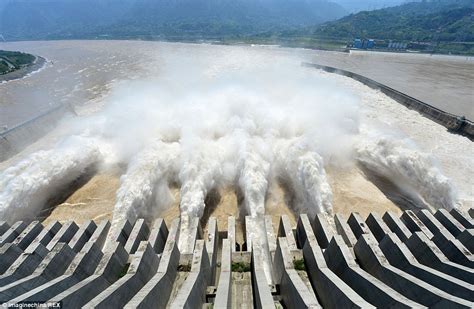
79, 71
231, 116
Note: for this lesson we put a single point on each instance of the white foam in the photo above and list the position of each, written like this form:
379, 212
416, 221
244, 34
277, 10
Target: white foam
413, 171
25, 187
147, 173
303, 169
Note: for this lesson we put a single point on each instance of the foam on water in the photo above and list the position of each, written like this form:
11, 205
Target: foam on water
253, 181
413, 171
201, 169
303, 169
26, 187
148, 170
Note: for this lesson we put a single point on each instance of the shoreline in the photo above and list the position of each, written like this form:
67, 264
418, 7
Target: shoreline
223, 42
38, 64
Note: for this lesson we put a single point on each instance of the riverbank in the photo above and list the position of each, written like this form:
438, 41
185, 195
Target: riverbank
36, 65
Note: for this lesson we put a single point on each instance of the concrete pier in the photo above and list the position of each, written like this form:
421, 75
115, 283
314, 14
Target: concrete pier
373, 261
344, 230
192, 229
453, 248
3, 227
377, 226
427, 253
81, 267
100, 234
9, 253
467, 239
396, 225
448, 221
46, 235
54, 265
28, 234
157, 291
12, 232
158, 235
224, 289
24, 265
464, 218
270, 235
64, 235
142, 266
357, 225
139, 232
323, 230
400, 256
110, 266
293, 290
415, 259
212, 240
414, 224
193, 292
82, 235
341, 261
332, 291
262, 294
285, 230
231, 232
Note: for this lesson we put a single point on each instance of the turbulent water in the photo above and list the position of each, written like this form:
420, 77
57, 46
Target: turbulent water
204, 117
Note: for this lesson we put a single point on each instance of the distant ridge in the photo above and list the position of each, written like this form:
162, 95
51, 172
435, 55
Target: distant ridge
441, 20
65, 19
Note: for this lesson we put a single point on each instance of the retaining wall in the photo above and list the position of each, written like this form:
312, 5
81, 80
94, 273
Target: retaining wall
17, 138
454, 123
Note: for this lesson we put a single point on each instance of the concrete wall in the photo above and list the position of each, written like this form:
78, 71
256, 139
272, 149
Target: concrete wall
16, 139
451, 122
384, 262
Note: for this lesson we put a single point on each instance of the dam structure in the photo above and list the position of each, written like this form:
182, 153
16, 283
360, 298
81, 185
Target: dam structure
416, 259
206, 181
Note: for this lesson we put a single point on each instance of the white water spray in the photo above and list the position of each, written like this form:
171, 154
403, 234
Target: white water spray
222, 122
136, 194
200, 171
253, 181
26, 187
414, 172
304, 170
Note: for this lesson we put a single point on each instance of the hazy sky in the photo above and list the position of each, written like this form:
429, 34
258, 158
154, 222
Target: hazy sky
357, 5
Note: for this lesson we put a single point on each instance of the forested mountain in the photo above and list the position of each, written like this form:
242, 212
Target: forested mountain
432, 25
354, 6
442, 20
50, 19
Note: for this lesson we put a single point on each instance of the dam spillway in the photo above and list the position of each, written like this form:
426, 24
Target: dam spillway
417, 259
214, 136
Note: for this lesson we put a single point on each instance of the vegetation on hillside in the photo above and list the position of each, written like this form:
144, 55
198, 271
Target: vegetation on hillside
4, 68
442, 26
445, 26
62, 19
413, 22
11, 61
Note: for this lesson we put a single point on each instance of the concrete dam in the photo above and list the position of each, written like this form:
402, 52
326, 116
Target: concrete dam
418, 259
223, 183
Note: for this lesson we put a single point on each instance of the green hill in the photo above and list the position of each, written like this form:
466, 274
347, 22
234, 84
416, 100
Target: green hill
436, 26
444, 21
11, 61
72, 19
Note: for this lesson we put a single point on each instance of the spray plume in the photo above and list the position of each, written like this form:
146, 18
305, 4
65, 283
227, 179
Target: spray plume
303, 169
26, 187
226, 117
415, 173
